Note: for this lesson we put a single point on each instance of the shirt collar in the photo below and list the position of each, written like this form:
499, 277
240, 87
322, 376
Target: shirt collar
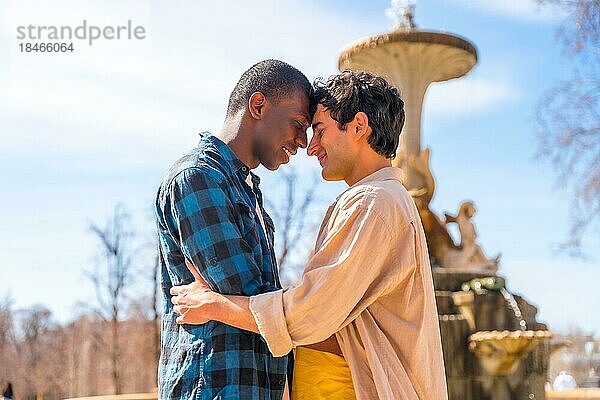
232, 161
383, 174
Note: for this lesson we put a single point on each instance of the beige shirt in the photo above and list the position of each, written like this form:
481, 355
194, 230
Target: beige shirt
370, 283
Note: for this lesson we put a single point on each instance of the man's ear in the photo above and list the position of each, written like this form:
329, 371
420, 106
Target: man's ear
361, 125
256, 105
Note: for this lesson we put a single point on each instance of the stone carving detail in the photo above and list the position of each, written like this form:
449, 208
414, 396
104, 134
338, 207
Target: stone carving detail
470, 255
466, 255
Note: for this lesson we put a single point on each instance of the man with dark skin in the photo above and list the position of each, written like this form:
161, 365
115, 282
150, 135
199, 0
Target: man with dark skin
209, 210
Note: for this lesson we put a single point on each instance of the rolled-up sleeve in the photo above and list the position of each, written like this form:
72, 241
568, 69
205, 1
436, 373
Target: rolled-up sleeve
350, 270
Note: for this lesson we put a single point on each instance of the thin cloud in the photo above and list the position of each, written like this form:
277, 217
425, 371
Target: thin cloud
529, 10
126, 97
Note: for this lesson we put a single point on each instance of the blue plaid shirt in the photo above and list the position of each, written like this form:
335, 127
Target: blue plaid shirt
206, 212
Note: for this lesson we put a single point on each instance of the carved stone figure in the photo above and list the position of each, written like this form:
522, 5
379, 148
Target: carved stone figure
471, 255
446, 253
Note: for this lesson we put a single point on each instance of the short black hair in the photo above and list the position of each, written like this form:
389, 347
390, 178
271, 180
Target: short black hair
348, 93
274, 79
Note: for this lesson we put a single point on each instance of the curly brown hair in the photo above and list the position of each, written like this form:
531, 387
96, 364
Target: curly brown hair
348, 93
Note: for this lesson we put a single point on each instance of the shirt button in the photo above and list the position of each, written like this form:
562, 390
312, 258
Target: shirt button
251, 214
281, 382
213, 262
245, 169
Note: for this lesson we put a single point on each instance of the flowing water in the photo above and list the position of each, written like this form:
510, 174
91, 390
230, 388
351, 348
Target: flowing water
512, 303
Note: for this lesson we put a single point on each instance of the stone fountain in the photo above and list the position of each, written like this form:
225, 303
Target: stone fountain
500, 353
494, 348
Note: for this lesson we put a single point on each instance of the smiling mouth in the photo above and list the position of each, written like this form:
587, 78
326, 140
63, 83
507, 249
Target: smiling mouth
321, 157
289, 152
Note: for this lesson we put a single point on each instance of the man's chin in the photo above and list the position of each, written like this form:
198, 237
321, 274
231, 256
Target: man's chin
329, 176
272, 166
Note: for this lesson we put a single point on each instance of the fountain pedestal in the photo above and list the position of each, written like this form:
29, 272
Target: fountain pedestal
487, 354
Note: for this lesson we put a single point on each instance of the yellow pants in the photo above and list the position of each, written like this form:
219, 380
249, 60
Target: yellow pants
321, 376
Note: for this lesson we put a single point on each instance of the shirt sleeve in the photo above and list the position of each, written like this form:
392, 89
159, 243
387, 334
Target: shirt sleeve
350, 270
205, 219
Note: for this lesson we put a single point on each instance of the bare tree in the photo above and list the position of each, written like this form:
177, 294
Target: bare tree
8, 352
295, 223
569, 117
85, 356
110, 281
37, 348
32, 354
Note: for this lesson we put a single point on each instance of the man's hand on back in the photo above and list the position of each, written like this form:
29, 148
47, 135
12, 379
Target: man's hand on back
193, 301
197, 304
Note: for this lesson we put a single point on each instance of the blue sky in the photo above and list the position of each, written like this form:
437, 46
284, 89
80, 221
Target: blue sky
83, 131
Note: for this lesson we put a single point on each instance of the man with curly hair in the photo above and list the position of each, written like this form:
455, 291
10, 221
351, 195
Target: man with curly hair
366, 297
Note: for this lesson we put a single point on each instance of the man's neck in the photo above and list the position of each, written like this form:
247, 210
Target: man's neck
366, 167
234, 135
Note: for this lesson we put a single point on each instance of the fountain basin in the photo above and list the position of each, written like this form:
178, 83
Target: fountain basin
500, 352
454, 56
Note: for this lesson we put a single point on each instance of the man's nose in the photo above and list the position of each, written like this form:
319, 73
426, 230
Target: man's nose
301, 140
312, 147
